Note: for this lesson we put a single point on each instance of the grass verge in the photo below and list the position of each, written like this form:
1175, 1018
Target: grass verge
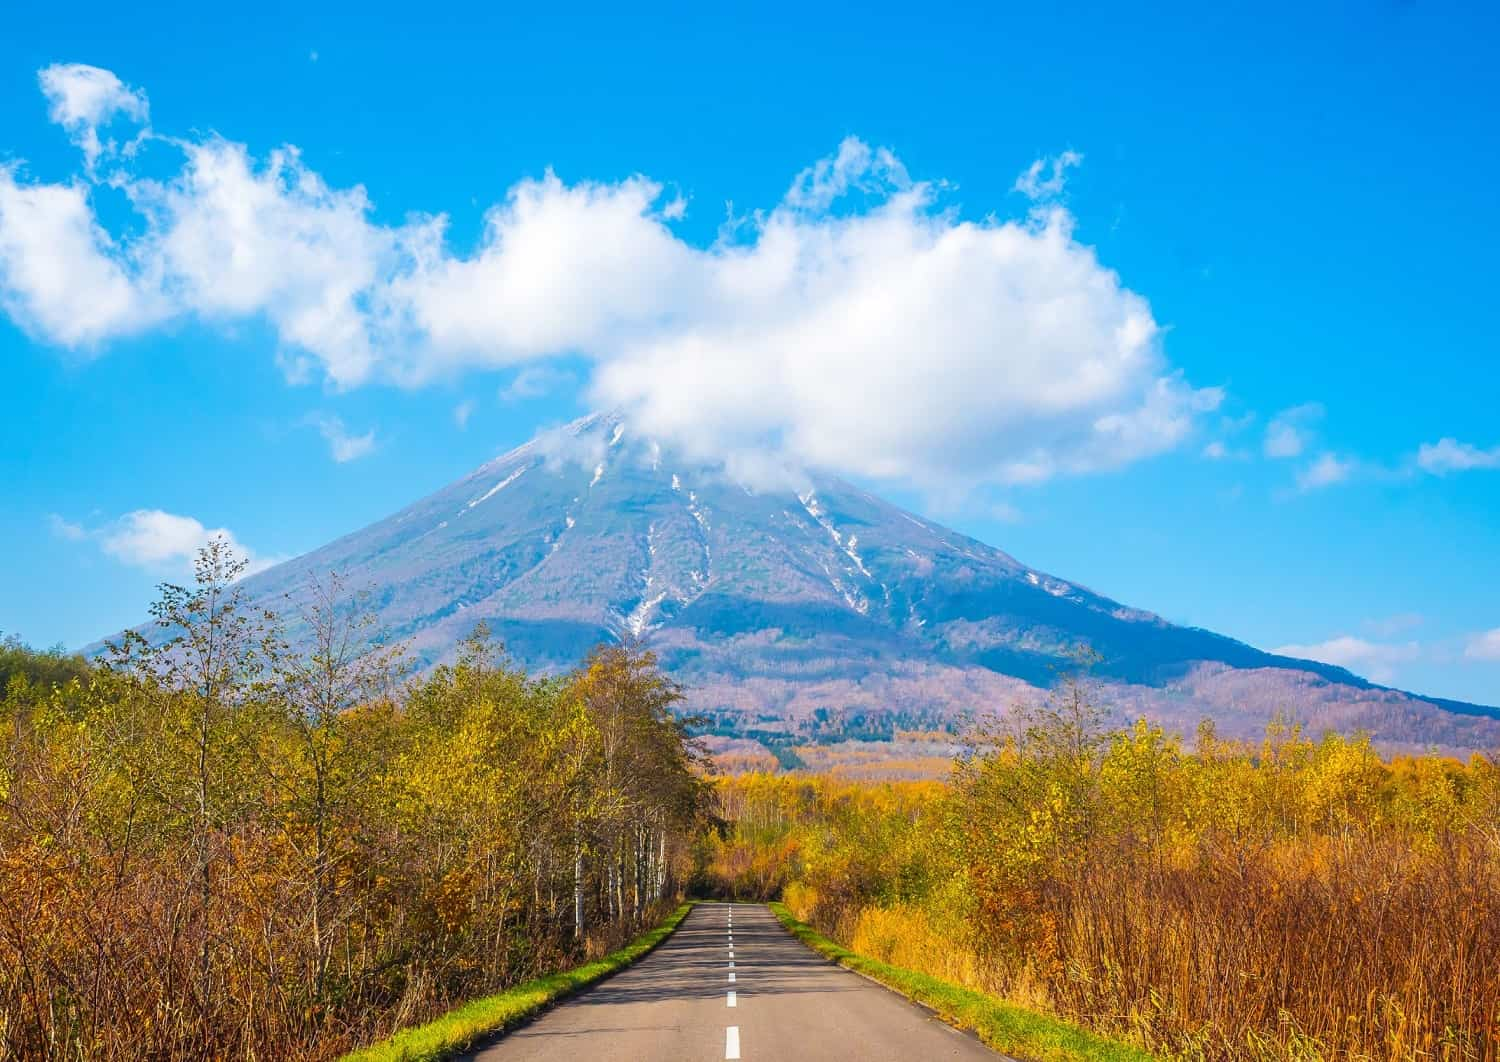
1007, 1028
464, 1027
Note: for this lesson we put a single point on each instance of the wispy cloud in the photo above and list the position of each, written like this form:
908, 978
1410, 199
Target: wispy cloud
462, 412
66, 529
1389, 626
82, 99
1291, 431
856, 167
1326, 471
1219, 450
1046, 178
536, 381
1484, 645
1449, 455
1375, 660
342, 445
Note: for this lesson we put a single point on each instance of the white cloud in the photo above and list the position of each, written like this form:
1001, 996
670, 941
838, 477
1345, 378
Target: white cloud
1035, 186
162, 541
343, 446
1290, 431
1484, 646
1216, 451
876, 333
1006, 513
1326, 471
1393, 625
1449, 455
534, 382
61, 276
83, 98
66, 529
854, 167
1376, 661
233, 239
462, 412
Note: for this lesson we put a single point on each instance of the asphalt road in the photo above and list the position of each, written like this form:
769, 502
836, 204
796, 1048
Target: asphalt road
732, 983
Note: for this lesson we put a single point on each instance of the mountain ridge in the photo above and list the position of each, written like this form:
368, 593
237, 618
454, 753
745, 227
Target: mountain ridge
801, 602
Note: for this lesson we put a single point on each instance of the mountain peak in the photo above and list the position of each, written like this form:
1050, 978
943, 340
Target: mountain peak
799, 599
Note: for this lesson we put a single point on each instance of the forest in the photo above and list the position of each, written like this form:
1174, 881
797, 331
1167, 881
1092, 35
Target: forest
1286, 899
216, 845
212, 846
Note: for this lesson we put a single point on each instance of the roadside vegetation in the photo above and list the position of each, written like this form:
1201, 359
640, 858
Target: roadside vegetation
212, 846
1290, 898
1014, 1030
469, 1025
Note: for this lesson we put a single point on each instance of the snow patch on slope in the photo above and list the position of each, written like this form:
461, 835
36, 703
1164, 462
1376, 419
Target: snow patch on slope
635, 623
497, 488
849, 548
851, 595
639, 619
1055, 587
635, 620
568, 523
697, 510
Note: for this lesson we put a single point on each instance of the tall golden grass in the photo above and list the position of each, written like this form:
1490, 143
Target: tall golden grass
1290, 899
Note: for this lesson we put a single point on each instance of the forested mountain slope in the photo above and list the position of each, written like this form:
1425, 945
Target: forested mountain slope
805, 606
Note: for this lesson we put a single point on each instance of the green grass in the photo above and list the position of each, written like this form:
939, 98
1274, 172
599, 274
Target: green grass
1004, 1026
462, 1028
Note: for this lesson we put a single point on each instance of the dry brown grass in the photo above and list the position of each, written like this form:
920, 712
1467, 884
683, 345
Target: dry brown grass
1290, 900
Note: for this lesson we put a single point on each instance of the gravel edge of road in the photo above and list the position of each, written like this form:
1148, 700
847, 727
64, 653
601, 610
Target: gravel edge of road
467, 1026
1013, 1030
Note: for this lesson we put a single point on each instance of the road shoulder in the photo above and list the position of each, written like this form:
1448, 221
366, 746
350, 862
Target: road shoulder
1007, 1028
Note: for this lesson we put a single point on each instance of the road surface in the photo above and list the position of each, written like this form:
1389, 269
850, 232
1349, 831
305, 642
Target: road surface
731, 983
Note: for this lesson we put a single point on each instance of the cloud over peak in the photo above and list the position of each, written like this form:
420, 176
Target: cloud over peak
861, 324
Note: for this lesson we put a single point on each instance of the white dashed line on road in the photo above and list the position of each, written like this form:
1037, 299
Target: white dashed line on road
732, 1033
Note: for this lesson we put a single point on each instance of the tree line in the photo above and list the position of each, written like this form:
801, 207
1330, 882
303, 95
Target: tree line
216, 843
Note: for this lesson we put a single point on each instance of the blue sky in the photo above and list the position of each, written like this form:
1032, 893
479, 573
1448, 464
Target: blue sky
1226, 354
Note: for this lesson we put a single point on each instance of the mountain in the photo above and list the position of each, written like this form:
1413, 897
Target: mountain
815, 609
